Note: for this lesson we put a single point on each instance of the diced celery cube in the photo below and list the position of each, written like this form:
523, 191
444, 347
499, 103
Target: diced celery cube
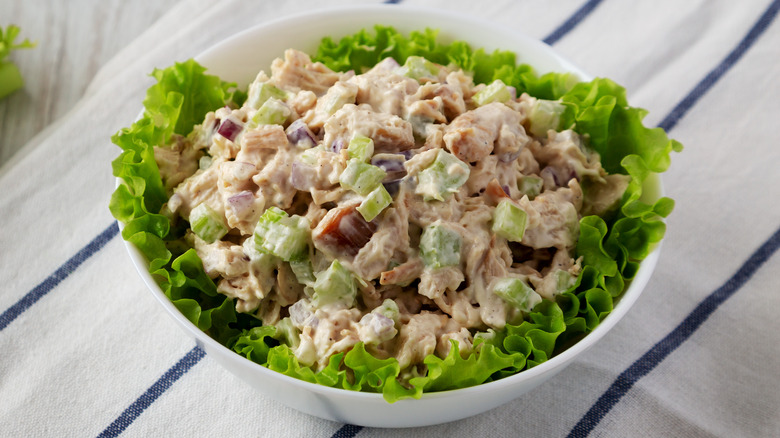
487, 336
420, 125
334, 285
374, 203
311, 156
531, 186
272, 112
259, 92
495, 92
205, 162
281, 235
417, 67
207, 223
360, 177
287, 333
509, 221
303, 270
516, 293
389, 309
439, 246
563, 281
442, 178
360, 148
545, 115
338, 96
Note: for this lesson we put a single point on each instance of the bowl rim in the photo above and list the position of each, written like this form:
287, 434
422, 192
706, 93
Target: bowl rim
622, 305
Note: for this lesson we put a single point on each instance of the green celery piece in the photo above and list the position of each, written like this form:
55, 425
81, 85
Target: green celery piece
207, 223
486, 336
360, 148
281, 235
388, 308
309, 156
272, 112
205, 162
509, 221
374, 203
261, 92
545, 115
337, 98
442, 178
530, 186
497, 91
303, 270
516, 293
417, 67
439, 246
287, 333
10, 77
563, 281
360, 177
335, 285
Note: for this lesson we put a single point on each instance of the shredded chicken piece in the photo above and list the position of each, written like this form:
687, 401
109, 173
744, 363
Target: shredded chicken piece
296, 72
475, 134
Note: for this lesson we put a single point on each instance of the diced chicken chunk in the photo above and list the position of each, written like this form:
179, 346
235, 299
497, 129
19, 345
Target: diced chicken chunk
475, 134
296, 72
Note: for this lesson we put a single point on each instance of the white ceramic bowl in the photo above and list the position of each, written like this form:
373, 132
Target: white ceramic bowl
238, 59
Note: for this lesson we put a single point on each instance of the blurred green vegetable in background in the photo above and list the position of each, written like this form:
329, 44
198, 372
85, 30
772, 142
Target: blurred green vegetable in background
10, 77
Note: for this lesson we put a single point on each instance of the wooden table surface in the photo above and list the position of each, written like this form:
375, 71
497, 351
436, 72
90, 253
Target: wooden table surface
75, 39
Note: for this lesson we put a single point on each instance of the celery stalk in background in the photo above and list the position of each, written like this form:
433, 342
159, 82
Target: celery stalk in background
10, 78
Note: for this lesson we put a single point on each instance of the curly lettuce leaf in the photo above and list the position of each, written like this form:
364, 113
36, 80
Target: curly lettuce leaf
180, 98
359, 370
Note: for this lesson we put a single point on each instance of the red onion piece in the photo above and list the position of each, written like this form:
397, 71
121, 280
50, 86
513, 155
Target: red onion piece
229, 129
337, 145
301, 176
392, 187
392, 164
241, 203
301, 315
559, 177
508, 157
382, 325
299, 134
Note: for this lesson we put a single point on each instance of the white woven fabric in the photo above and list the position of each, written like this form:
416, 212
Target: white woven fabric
82, 339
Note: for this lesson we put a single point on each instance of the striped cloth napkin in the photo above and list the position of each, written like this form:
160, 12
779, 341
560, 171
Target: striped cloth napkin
86, 351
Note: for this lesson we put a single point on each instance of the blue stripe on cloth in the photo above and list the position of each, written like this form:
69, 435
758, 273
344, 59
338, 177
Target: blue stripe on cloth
392, 2
573, 21
56, 278
347, 431
702, 87
156, 390
626, 380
